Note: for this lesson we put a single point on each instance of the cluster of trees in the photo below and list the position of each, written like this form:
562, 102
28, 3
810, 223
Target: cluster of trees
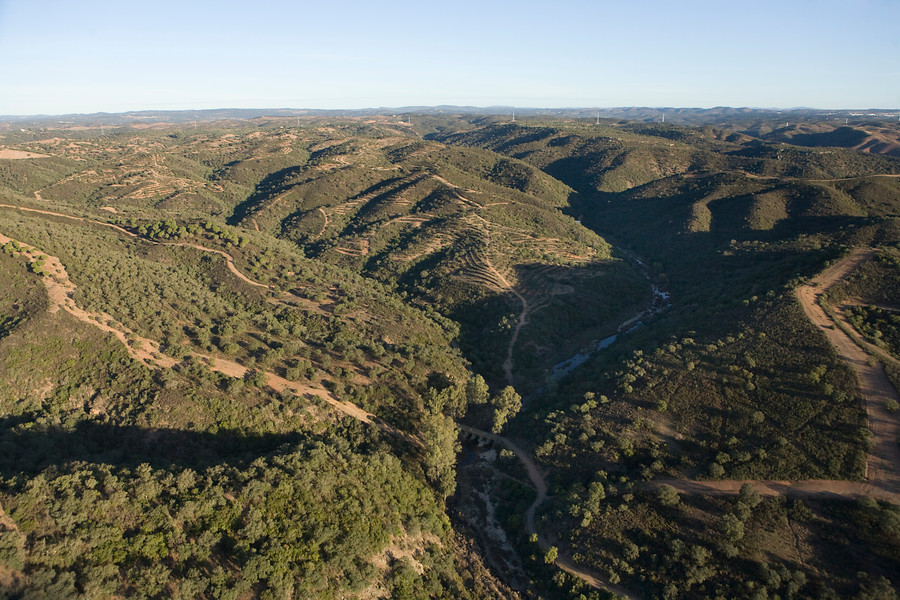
638, 541
169, 229
306, 520
882, 326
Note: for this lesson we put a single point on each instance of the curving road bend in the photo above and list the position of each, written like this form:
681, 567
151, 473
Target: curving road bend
537, 477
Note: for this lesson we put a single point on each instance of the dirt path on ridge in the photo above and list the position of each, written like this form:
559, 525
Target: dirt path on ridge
229, 261
73, 217
324, 225
60, 290
522, 321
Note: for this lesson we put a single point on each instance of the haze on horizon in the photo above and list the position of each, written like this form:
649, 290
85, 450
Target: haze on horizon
62, 57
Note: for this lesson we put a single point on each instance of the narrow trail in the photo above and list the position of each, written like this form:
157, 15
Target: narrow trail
538, 480
783, 178
324, 225
73, 217
804, 488
891, 175
229, 261
522, 321
60, 290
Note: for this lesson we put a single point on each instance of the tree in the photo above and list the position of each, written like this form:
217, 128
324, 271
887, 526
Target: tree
749, 496
476, 391
440, 435
552, 555
506, 405
668, 495
731, 528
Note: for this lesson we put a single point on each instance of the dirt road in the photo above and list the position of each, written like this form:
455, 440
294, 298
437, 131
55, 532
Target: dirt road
883, 466
538, 480
60, 290
807, 488
522, 321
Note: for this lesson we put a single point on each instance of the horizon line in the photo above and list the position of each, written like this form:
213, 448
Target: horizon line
465, 107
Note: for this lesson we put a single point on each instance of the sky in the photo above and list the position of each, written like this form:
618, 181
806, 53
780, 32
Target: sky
85, 56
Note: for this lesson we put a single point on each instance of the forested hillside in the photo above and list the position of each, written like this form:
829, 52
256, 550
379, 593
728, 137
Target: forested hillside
732, 382
235, 359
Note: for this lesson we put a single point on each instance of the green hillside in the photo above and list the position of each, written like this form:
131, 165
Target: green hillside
251, 360
732, 381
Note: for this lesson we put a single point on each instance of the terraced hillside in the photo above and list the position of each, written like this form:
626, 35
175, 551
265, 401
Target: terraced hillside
475, 236
455, 228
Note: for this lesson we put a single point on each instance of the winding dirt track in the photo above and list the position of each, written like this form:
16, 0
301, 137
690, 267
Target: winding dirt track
229, 261
882, 469
537, 477
883, 466
60, 290
522, 321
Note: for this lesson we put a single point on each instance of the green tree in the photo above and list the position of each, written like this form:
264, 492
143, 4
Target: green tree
440, 435
476, 391
668, 495
506, 405
749, 496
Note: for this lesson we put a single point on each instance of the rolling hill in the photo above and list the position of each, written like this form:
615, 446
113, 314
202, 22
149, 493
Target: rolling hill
236, 358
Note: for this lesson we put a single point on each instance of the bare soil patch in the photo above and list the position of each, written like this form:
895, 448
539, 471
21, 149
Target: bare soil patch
10, 154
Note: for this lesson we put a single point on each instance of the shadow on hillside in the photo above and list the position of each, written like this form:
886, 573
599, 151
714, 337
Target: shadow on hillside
272, 184
26, 446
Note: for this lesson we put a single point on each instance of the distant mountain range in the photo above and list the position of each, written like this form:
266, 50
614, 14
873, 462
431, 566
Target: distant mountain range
721, 115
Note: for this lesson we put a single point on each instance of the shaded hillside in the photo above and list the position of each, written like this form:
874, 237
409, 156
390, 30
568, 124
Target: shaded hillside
456, 229
730, 227
732, 381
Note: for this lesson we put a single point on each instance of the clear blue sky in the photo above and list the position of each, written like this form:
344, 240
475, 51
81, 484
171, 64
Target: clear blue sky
87, 56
